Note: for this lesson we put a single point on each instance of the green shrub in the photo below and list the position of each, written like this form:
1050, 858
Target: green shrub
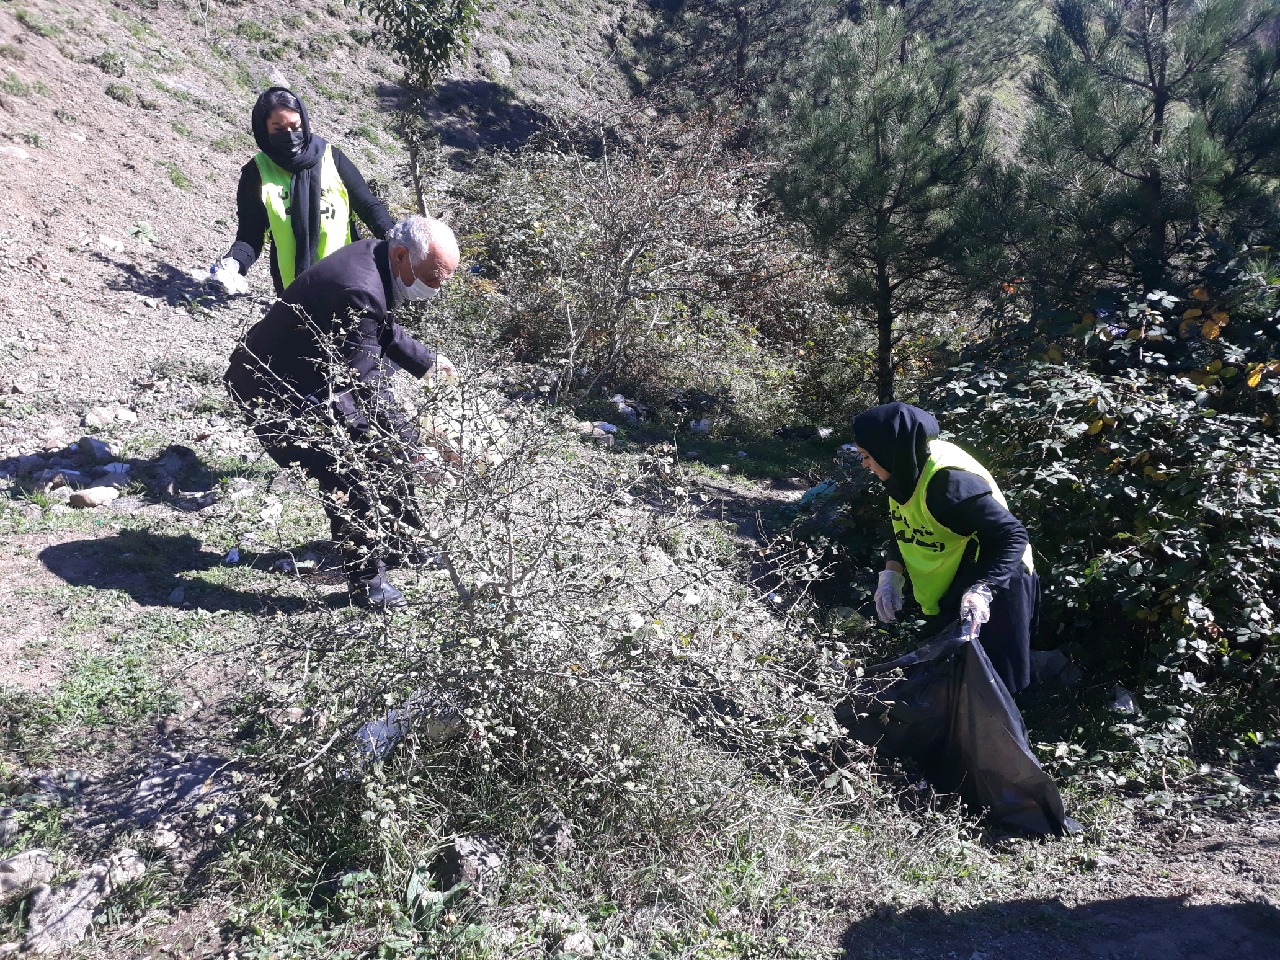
123, 93
14, 85
176, 176
37, 26
1142, 452
253, 31
110, 63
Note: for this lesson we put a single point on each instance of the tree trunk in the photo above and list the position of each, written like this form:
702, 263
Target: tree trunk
884, 327
1153, 271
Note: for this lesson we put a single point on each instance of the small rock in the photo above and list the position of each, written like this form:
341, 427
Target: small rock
116, 467
578, 945
98, 449
125, 415
54, 478
64, 917
553, 833
21, 873
12, 150
29, 465
93, 497
177, 596
98, 416
478, 861
60, 495
240, 488
701, 426
742, 454
8, 825
165, 837
824, 433
109, 244
232, 557
605, 426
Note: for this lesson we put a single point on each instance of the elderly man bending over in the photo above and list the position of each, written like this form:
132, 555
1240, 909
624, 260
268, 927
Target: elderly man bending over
318, 356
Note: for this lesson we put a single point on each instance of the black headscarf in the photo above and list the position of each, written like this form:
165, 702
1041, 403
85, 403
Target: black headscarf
304, 185
897, 435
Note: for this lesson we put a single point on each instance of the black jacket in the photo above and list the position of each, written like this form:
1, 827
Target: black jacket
252, 227
337, 310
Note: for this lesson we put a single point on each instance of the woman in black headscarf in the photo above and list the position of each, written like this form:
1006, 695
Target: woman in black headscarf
953, 536
301, 190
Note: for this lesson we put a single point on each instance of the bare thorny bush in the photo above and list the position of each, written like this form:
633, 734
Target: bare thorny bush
643, 256
581, 657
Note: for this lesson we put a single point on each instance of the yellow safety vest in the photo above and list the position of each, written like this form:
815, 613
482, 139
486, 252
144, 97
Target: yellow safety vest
334, 212
930, 552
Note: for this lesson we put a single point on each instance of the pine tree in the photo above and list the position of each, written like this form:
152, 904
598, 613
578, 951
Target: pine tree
881, 160
1155, 119
719, 55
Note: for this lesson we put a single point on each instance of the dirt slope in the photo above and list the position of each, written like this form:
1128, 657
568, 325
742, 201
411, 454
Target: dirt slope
122, 128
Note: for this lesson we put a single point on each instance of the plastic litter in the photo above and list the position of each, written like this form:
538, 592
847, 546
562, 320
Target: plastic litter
815, 492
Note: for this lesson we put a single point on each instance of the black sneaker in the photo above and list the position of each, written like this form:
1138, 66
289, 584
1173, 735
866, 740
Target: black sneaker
376, 593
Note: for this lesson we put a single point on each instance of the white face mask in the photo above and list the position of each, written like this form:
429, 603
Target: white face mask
418, 290
414, 291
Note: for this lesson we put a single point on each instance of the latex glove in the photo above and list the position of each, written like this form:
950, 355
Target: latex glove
226, 273
443, 367
975, 608
889, 595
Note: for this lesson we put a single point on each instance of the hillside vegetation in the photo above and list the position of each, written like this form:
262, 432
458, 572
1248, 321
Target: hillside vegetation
604, 725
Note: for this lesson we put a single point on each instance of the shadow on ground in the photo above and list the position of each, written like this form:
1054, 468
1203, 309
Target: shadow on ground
149, 567
165, 281
176, 475
1135, 928
470, 115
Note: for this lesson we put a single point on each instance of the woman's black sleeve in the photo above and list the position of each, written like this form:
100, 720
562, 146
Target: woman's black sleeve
251, 215
962, 502
371, 211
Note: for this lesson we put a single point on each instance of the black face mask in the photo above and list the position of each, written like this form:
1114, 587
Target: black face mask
287, 141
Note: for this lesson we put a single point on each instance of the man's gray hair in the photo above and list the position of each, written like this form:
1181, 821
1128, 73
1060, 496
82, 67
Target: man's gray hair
418, 235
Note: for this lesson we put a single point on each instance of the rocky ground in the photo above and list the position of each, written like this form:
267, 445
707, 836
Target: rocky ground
126, 622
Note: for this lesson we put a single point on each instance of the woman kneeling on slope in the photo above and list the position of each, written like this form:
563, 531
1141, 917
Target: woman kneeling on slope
953, 536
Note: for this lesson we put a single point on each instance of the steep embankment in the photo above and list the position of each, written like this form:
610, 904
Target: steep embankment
125, 125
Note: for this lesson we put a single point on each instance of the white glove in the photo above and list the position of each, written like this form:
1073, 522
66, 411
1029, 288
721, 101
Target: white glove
975, 608
442, 367
226, 272
889, 595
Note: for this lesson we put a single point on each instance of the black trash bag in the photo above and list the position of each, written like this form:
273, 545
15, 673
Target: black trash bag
951, 714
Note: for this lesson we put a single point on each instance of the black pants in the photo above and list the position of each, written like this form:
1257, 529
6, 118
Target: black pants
371, 524
369, 500
1015, 618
